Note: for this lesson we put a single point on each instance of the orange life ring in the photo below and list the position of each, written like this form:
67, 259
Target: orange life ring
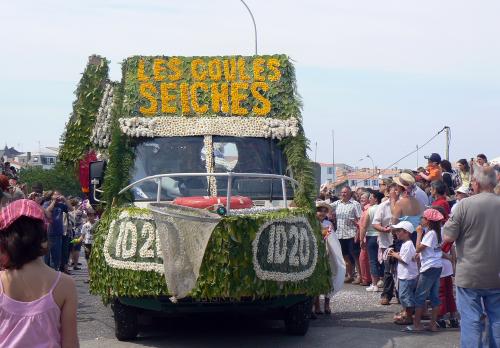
203, 202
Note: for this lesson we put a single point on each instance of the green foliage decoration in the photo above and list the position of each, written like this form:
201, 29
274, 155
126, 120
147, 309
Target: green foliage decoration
121, 156
76, 142
227, 268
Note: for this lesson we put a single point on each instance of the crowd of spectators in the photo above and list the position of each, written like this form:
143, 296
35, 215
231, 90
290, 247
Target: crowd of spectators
406, 232
70, 219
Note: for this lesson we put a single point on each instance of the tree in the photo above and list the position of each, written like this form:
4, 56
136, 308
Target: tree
62, 178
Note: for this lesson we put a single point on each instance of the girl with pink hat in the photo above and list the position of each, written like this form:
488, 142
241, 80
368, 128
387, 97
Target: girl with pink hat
43, 313
429, 247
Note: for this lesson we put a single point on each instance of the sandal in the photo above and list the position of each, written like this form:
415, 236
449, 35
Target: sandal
411, 329
454, 323
429, 328
403, 321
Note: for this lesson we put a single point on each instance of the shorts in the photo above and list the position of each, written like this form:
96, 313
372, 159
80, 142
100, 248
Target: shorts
428, 287
88, 249
347, 246
407, 292
76, 247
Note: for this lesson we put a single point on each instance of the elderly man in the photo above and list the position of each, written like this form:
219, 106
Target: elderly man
475, 226
347, 212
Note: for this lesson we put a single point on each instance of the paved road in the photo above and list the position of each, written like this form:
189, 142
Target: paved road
357, 321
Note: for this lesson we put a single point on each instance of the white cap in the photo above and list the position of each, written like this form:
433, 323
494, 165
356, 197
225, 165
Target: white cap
463, 189
405, 225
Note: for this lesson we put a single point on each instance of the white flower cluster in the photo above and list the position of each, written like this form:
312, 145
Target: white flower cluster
279, 129
101, 134
238, 126
131, 265
282, 276
209, 146
133, 214
253, 210
138, 126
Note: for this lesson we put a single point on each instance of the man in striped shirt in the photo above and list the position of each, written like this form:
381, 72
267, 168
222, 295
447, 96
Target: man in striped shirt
347, 212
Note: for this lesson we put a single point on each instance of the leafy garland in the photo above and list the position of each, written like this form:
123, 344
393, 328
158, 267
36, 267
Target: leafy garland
121, 156
227, 270
89, 93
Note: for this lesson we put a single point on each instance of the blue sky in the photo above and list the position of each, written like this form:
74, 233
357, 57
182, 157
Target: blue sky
386, 75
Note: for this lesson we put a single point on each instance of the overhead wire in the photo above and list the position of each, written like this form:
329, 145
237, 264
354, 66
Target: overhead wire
410, 153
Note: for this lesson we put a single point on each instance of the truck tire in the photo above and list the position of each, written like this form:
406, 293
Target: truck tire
297, 318
126, 324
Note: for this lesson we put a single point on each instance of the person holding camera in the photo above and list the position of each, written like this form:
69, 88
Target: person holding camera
55, 208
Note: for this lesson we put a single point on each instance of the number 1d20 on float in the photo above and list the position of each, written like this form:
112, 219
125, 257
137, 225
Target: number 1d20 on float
200, 166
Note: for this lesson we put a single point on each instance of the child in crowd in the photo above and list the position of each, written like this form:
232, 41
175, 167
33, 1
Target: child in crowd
322, 211
77, 217
87, 233
37, 304
407, 271
448, 305
429, 247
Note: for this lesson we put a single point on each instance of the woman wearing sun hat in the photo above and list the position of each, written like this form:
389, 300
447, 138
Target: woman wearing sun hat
407, 207
43, 314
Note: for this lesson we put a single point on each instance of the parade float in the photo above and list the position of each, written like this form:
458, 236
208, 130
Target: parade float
200, 166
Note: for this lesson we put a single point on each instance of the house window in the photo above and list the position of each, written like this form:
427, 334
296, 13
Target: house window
354, 182
367, 182
330, 170
51, 160
374, 182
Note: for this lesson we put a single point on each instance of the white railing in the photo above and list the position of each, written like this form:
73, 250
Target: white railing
157, 178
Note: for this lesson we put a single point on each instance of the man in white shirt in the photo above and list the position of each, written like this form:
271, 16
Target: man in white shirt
347, 212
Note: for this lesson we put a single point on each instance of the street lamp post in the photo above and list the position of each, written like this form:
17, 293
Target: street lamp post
254, 25
373, 163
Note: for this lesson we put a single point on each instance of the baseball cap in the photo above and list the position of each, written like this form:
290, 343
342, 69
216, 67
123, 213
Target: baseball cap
16, 209
405, 225
463, 189
434, 157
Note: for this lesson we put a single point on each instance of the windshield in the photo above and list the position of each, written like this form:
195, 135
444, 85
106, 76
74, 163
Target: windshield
189, 155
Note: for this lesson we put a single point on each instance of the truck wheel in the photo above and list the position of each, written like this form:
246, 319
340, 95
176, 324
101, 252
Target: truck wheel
297, 318
126, 325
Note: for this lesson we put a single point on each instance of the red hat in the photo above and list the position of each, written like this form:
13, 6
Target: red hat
432, 215
16, 209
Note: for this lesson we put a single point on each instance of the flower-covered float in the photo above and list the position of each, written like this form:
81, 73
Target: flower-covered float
206, 187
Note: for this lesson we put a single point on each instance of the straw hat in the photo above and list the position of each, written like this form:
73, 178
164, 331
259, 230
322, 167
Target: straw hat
323, 204
405, 180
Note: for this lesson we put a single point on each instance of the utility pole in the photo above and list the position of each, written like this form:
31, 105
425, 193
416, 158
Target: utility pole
315, 152
417, 155
447, 150
333, 155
